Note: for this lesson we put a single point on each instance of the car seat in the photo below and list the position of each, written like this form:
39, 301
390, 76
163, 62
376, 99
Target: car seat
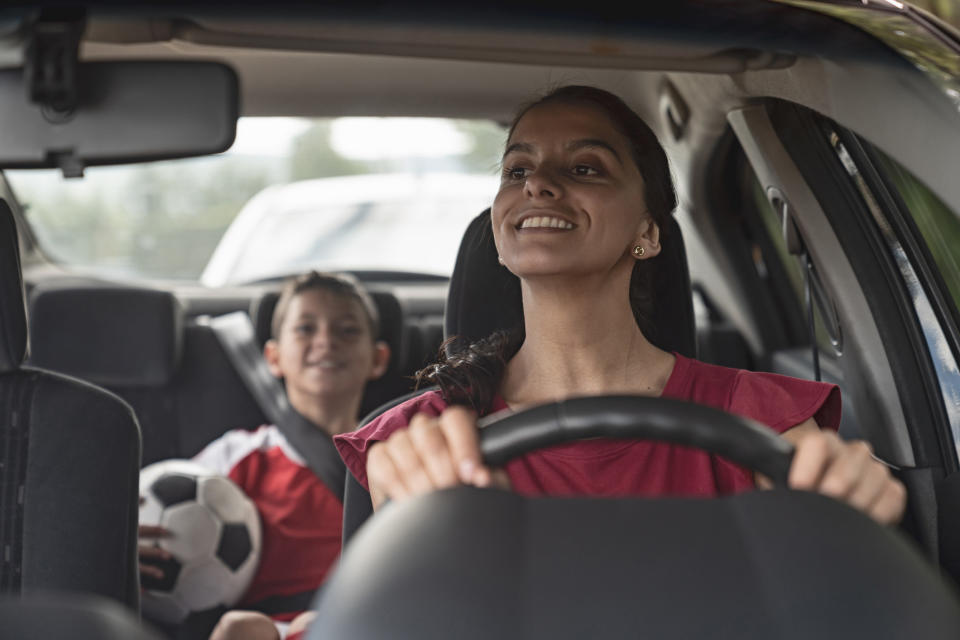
69, 461
136, 342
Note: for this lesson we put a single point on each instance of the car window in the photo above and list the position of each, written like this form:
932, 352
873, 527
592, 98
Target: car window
165, 219
419, 234
937, 224
916, 228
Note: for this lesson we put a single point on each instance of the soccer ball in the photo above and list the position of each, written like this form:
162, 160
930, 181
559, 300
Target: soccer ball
215, 539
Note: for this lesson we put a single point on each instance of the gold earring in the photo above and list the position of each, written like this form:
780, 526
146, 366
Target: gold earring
638, 251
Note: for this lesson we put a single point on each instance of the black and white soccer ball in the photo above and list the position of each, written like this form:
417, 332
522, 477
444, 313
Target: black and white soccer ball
215, 542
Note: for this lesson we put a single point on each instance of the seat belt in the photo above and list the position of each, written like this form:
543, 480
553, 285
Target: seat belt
236, 335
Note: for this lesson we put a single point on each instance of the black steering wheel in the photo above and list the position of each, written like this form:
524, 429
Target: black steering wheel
736, 438
477, 563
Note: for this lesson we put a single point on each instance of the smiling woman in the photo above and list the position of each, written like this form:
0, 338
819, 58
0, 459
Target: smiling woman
581, 157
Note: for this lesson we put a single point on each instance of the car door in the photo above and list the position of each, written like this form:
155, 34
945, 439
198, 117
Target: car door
867, 252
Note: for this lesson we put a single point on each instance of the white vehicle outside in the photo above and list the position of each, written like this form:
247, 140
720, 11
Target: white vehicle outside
390, 222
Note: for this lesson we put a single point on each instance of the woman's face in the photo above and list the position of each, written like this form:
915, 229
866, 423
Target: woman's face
571, 197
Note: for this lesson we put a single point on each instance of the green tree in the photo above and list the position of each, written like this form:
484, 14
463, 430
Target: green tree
487, 139
314, 157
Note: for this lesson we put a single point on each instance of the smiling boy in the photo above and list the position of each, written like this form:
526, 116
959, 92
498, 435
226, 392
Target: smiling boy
325, 350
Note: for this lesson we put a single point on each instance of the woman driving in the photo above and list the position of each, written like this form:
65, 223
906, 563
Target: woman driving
585, 192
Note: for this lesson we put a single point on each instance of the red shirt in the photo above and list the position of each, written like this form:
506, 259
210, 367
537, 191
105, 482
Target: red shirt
301, 518
610, 467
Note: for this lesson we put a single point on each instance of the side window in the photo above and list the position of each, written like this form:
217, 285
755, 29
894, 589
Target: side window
921, 236
937, 224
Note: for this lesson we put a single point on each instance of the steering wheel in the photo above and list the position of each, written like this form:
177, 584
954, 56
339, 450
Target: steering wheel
478, 563
736, 438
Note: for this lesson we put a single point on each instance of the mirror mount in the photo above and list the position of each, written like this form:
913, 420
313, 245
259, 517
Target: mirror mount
51, 58
50, 61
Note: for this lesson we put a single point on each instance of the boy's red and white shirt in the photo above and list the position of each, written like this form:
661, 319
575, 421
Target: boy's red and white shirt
301, 517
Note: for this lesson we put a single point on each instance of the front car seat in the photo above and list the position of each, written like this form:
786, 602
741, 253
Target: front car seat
69, 455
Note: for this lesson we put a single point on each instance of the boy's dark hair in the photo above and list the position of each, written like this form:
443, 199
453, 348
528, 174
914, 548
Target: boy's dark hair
341, 284
470, 374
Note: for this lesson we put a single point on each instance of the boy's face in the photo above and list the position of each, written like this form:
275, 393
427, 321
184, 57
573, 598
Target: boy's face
325, 347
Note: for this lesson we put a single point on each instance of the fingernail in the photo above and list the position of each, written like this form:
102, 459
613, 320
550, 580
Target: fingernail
467, 468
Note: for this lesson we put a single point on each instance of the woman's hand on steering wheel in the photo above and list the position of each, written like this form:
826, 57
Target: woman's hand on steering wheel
436, 453
845, 471
433, 453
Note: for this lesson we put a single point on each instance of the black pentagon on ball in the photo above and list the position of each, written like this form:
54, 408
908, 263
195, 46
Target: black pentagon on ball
235, 545
171, 570
174, 488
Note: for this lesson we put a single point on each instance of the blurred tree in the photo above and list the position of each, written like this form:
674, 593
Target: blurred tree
487, 139
314, 157
180, 210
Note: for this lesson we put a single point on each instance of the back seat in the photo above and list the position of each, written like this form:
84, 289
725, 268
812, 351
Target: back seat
138, 343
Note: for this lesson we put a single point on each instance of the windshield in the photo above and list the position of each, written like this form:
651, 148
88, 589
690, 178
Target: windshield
389, 194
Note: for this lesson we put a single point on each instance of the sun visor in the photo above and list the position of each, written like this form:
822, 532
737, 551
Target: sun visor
114, 336
13, 320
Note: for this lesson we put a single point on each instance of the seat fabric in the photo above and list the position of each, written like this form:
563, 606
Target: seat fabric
69, 459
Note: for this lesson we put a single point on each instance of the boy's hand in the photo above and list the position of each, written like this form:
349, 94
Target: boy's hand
433, 453
148, 552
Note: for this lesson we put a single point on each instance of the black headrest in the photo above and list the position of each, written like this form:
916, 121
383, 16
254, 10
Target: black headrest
115, 336
13, 316
484, 297
388, 308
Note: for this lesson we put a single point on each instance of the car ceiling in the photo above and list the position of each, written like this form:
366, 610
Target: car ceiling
427, 59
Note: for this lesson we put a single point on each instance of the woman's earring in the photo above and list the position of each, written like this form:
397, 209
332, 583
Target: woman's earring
638, 251
499, 258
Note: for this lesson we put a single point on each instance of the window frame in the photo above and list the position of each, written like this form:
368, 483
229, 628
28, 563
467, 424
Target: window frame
804, 135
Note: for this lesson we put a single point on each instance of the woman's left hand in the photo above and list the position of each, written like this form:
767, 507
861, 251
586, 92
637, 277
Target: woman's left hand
846, 471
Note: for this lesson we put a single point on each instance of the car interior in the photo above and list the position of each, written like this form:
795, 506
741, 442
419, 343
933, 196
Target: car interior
814, 147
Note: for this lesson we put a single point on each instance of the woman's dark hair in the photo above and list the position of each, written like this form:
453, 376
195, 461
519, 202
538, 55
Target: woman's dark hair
470, 374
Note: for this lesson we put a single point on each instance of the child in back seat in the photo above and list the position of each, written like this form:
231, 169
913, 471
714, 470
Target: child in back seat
325, 349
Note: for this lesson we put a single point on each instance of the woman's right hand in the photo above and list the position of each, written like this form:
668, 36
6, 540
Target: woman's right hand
432, 453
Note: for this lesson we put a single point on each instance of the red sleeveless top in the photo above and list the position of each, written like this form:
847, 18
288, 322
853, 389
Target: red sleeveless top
608, 467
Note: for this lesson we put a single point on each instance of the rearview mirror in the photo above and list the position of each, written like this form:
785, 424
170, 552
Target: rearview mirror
125, 112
